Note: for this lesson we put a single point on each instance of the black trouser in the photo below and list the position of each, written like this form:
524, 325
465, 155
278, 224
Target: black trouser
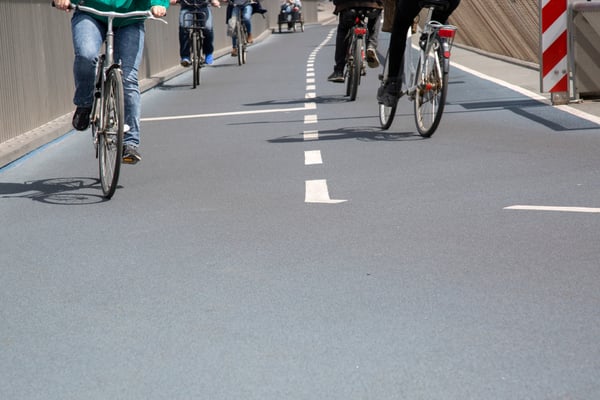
342, 40
406, 11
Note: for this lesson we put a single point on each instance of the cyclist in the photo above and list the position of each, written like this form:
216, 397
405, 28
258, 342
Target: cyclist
186, 19
248, 8
406, 12
290, 9
342, 41
88, 32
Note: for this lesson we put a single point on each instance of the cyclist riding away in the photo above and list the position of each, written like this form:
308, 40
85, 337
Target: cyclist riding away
88, 32
346, 21
185, 20
406, 12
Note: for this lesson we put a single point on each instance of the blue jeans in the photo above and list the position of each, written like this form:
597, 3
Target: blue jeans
246, 19
88, 36
185, 20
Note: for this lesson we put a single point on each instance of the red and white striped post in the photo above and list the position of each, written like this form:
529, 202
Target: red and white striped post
554, 48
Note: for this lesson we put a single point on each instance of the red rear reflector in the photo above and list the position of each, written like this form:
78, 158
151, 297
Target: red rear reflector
446, 33
446, 54
360, 31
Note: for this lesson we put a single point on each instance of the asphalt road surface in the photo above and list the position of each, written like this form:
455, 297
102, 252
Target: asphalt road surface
274, 243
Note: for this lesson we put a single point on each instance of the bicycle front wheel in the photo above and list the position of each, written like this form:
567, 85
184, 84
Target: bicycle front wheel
240, 42
110, 139
386, 113
244, 44
196, 58
354, 65
432, 87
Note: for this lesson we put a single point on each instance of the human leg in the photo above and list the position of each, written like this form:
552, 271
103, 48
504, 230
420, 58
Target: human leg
374, 26
208, 43
129, 46
184, 37
247, 20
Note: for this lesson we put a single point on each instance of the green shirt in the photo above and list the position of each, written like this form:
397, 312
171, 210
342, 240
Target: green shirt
123, 6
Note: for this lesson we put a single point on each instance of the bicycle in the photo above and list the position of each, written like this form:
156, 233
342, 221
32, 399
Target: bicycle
426, 82
238, 29
355, 55
108, 110
194, 21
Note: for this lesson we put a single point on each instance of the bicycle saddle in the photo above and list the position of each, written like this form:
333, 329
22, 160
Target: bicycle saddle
439, 4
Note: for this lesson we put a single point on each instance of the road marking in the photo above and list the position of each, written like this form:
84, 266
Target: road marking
311, 135
310, 87
316, 192
310, 80
310, 95
528, 93
310, 119
307, 106
551, 208
312, 157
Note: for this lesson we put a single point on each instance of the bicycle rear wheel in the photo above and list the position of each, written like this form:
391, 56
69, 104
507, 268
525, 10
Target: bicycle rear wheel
432, 88
195, 58
386, 113
354, 67
110, 140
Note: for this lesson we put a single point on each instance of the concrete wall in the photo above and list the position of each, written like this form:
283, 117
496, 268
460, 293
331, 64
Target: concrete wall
504, 27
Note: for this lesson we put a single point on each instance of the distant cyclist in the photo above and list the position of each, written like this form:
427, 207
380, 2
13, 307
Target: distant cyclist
186, 19
346, 21
406, 12
88, 32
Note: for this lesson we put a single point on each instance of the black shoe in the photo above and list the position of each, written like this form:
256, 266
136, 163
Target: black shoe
389, 93
81, 118
336, 76
131, 155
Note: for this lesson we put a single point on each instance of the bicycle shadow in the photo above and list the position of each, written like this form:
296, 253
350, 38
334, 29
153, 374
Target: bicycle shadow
365, 134
61, 191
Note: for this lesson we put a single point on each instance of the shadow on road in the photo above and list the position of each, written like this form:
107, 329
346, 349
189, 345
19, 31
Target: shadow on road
63, 191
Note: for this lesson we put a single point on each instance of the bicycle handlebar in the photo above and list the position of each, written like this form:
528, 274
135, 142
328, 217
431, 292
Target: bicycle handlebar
112, 14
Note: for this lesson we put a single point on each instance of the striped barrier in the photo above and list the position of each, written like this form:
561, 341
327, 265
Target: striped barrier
554, 44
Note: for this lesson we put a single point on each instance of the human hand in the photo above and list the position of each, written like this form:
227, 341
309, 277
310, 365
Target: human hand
173, 2
158, 11
215, 3
62, 5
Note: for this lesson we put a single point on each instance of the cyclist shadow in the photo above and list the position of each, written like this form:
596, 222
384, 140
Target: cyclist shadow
63, 191
365, 134
318, 100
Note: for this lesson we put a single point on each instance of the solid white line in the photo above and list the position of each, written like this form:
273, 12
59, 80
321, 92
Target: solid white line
551, 208
312, 157
307, 106
533, 95
316, 192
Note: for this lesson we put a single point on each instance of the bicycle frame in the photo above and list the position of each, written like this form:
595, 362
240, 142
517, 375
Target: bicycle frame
431, 30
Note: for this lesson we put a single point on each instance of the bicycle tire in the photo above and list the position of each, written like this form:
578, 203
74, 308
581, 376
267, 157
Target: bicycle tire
244, 45
240, 41
195, 59
110, 140
357, 59
432, 88
386, 113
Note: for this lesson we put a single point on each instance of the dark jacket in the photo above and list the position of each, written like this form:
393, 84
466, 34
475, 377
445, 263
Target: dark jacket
345, 4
